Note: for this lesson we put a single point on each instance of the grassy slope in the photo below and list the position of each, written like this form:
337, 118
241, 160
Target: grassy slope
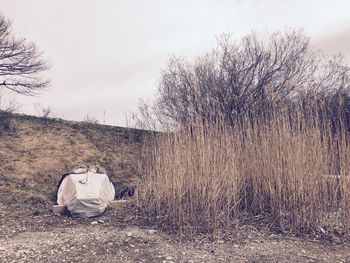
35, 152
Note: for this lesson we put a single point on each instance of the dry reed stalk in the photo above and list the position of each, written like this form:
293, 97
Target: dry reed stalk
207, 177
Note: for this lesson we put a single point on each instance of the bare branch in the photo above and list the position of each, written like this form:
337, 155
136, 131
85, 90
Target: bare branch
236, 77
20, 63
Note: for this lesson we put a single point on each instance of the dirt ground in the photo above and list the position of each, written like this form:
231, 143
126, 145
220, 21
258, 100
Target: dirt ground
39, 236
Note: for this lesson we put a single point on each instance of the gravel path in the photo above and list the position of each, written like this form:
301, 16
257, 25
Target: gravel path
31, 237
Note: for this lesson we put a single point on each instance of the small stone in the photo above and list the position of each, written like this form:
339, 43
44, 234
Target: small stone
2, 249
303, 251
132, 245
151, 231
110, 244
190, 261
101, 221
168, 257
23, 251
236, 246
129, 234
94, 223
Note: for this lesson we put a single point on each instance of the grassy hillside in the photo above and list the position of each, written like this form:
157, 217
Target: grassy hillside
35, 152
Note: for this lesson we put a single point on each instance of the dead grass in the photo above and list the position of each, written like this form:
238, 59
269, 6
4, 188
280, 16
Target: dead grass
208, 177
37, 152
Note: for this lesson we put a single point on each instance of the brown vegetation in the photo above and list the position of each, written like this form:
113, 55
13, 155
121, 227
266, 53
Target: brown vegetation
36, 152
290, 171
260, 132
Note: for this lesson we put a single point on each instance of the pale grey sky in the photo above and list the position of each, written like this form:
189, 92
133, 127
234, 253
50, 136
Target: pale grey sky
106, 54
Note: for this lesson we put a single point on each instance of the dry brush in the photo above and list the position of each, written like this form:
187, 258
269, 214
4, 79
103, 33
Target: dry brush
291, 169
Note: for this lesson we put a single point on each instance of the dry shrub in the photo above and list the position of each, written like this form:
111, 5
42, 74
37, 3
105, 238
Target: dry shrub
291, 169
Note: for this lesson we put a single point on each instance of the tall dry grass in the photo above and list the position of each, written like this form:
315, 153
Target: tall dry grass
292, 170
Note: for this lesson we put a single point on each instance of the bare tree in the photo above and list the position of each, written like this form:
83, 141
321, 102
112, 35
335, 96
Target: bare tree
20, 63
253, 73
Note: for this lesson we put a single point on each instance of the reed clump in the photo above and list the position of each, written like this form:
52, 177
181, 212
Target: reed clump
290, 168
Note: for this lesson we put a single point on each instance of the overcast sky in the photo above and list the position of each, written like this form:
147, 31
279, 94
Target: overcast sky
107, 54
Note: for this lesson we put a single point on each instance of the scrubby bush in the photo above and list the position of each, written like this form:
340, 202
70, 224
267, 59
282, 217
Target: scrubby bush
257, 129
256, 73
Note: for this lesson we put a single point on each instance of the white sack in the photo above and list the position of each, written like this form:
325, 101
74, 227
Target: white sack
86, 194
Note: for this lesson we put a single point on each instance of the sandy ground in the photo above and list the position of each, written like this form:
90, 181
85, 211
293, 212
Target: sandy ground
39, 236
